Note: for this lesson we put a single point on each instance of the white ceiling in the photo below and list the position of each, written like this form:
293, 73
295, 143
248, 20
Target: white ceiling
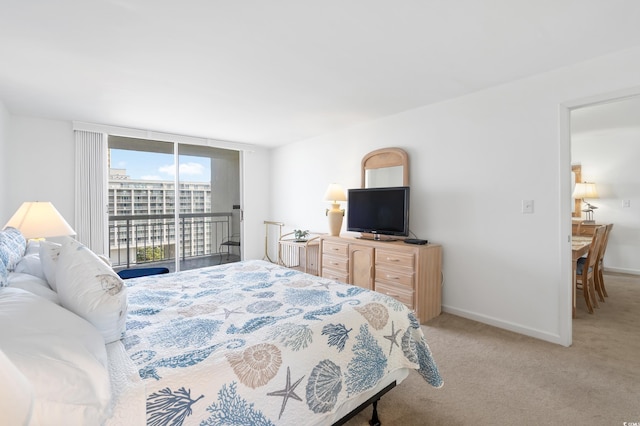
278, 71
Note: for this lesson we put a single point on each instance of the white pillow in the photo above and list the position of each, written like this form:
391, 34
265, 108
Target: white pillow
33, 247
16, 394
61, 355
31, 264
91, 289
49, 253
32, 284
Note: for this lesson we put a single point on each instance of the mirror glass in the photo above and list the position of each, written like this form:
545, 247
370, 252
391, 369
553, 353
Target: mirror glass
384, 176
385, 167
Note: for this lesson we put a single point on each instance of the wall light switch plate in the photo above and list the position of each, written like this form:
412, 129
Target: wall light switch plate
527, 206
626, 203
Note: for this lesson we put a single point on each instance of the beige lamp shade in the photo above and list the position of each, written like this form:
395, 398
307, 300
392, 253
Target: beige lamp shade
585, 190
39, 219
334, 194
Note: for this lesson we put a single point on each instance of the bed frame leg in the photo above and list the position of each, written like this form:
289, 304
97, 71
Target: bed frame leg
375, 421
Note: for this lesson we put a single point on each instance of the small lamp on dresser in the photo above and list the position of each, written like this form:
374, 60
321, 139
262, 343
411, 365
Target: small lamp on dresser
335, 194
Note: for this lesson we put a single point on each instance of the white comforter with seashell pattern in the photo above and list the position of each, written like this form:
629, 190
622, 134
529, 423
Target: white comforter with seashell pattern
253, 343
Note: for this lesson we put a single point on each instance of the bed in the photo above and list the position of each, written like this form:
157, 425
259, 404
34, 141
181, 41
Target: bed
247, 343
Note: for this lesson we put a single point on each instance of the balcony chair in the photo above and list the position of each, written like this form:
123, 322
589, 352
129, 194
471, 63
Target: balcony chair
232, 241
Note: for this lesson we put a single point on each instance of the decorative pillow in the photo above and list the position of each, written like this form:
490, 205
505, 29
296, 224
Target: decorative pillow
49, 253
12, 247
32, 284
90, 288
16, 394
61, 355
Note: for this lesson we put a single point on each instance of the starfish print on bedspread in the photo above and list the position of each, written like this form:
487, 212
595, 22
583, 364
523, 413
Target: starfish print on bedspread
227, 312
324, 284
393, 337
287, 392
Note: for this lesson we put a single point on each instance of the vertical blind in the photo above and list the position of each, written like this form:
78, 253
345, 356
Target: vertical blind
91, 190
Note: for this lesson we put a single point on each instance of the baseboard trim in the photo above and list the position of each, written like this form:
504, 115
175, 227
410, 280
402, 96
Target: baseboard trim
516, 328
622, 270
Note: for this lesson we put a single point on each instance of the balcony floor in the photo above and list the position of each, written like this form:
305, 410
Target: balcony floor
190, 263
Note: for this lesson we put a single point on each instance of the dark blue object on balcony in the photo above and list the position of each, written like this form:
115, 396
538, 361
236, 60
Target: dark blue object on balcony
125, 274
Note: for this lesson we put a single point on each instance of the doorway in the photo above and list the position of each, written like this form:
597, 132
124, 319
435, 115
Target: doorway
585, 124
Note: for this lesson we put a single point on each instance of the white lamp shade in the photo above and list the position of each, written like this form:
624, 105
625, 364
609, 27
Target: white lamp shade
585, 190
37, 219
335, 193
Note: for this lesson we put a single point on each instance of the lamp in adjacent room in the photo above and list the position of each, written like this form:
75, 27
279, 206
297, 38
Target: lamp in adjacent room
39, 219
583, 191
335, 194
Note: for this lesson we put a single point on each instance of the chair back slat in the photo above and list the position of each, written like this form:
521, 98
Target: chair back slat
594, 248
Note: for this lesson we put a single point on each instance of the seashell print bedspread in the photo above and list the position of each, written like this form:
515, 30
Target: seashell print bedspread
253, 343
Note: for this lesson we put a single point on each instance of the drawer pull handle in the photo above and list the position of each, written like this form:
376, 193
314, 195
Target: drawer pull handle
391, 294
392, 277
391, 259
334, 263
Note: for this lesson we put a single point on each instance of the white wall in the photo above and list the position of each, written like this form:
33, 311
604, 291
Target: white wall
40, 161
609, 157
5, 214
473, 160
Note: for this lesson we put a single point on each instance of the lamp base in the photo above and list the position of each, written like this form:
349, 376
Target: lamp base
335, 216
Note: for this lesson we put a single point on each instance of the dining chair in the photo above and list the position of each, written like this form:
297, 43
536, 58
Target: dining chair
586, 270
599, 277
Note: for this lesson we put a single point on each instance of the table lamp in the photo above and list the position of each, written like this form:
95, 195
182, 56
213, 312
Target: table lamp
334, 194
39, 219
586, 190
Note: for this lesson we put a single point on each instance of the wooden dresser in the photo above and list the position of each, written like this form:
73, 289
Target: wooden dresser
409, 273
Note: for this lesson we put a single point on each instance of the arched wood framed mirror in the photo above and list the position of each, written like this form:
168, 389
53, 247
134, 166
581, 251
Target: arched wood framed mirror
385, 167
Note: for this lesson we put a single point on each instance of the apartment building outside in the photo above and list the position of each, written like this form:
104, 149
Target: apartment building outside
142, 223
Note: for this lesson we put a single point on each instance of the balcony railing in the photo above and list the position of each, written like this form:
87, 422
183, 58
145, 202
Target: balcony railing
143, 239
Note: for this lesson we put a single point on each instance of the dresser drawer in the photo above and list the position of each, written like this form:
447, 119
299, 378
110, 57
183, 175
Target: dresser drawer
334, 275
401, 294
339, 264
395, 276
335, 249
391, 258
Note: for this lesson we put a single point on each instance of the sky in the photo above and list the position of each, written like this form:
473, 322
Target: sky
155, 166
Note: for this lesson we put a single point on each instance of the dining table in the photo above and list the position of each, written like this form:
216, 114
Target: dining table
579, 247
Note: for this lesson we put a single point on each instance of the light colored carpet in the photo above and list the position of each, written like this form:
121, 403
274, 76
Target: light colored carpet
496, 377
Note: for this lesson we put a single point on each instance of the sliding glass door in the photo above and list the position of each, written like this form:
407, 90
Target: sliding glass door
172, 204
209, 190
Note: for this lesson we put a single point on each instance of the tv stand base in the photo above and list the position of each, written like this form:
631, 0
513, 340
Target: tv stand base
376, 237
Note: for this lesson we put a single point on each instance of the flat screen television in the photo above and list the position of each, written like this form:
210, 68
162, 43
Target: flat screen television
379, 211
